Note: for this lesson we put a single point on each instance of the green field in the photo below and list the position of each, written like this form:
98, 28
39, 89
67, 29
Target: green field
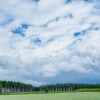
54, 96
88, 90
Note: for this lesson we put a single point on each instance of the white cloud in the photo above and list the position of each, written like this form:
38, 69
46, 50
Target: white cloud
49, 46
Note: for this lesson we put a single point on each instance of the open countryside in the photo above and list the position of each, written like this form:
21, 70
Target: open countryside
55, 96
19, 91
49, 49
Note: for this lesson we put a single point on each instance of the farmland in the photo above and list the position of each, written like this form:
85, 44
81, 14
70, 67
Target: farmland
54, 96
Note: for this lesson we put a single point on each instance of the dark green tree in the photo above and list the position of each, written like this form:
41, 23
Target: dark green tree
0, 88
46, 90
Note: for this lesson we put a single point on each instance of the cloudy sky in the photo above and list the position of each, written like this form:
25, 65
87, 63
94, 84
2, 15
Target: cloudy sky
50, 41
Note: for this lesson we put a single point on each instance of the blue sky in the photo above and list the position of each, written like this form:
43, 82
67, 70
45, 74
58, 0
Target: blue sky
50, 41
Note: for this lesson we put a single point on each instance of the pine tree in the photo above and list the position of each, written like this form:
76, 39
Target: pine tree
0, 89
46, 90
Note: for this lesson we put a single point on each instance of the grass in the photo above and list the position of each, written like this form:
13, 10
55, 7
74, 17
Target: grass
25, 93
54, 96
88, 90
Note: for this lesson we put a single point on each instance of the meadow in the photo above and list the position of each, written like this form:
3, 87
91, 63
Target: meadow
54, 96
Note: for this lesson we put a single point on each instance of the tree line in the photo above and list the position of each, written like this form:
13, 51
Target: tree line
67, 87
10, 86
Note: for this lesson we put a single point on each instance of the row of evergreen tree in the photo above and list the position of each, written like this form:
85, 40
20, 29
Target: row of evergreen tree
67, 87
9, 86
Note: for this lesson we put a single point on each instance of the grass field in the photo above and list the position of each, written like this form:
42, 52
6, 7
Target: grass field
88, 90
55, 96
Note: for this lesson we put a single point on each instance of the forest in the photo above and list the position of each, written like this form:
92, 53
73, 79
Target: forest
10, 86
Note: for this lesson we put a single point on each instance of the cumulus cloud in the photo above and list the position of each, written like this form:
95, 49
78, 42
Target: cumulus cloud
44, 39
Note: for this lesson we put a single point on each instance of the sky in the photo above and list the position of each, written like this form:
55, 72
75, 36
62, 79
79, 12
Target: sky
50, 41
